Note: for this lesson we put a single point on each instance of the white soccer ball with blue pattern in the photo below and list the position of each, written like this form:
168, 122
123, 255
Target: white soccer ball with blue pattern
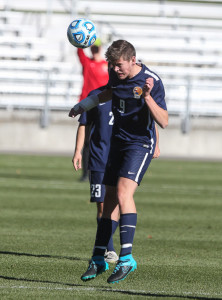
81, 33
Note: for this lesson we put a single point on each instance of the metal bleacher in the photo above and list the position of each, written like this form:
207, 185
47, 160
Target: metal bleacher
33, 71
181, 41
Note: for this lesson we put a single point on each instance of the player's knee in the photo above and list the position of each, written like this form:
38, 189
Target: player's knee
122, 196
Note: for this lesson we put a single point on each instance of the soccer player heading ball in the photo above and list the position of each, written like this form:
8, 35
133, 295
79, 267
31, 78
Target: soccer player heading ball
138, 101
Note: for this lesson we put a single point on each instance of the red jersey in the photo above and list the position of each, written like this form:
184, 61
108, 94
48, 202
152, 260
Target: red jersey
95, 73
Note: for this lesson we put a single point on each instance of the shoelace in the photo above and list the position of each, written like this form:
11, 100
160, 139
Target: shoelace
91, 265
120, 264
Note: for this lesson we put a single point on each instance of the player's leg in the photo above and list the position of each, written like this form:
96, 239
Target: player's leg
128, 219
110, 253
108, 222
125, 191
110, 217
106, 228
128, 214
97, 195
99, 211
134, 166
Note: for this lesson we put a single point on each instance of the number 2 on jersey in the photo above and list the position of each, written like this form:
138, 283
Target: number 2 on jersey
111, 118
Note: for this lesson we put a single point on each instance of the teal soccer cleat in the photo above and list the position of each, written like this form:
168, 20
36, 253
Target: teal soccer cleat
97, 265
125, 265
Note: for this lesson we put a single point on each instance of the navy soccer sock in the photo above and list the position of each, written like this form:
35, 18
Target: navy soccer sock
103, 235
127, 231
110, 246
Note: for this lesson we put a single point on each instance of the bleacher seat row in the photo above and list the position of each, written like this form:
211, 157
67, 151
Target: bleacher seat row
182, 42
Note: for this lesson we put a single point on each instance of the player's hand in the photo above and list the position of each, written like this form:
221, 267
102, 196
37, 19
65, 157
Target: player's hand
148, 86
77, 161
156, 153
76, 110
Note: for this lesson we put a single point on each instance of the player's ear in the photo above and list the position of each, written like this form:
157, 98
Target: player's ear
134, 60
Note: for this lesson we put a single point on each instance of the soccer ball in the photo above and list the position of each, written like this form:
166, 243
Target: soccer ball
81, 33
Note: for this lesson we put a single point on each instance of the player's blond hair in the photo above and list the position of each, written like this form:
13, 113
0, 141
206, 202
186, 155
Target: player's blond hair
118, 49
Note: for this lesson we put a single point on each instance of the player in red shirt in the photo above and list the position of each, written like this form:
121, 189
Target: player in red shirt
95, 69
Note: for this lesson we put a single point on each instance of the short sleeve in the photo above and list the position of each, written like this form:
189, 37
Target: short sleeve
158, 94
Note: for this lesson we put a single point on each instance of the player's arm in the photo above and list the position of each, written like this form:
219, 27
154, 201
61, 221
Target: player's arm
159, 114
80, 139
82, 57
156, 153
90, 102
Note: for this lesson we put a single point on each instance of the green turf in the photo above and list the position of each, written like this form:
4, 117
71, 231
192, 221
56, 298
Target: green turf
47, 230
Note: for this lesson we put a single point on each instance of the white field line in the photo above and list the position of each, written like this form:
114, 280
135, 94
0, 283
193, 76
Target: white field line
171, 187
136, 292
32, 183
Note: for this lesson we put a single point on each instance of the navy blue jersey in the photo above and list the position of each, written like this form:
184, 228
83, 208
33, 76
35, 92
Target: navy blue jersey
101, 120
134, 124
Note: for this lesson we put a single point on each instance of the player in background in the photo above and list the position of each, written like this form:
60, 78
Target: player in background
94, 69
100, 120
95, 75
138, 101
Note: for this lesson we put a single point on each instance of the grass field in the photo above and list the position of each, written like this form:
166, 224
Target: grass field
47, 230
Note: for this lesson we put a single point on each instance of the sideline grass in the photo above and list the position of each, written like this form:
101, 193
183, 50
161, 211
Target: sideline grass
47, 229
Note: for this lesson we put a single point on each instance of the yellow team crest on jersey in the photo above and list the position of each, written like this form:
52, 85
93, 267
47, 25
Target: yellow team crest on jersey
137, 91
